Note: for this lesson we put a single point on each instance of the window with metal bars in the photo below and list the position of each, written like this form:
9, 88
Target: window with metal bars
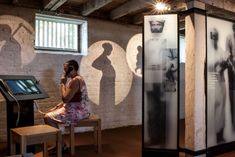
60, 34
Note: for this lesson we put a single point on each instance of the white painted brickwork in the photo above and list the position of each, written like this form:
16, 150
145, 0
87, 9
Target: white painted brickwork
119, 90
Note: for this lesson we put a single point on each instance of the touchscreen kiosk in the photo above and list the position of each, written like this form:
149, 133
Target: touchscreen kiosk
21, 87
20, 91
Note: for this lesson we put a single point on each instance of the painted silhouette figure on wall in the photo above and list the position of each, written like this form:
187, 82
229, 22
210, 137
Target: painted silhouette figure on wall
107, 82
10, 50
138, 68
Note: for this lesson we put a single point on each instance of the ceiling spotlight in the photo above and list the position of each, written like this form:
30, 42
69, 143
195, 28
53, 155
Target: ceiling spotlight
162, 7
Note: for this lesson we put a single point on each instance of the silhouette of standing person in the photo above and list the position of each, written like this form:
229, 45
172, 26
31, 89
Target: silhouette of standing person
10, 51
107, 82
138, 68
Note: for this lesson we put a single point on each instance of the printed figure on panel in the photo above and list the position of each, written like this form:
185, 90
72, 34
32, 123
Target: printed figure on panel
160, 81
220, 78
230, 48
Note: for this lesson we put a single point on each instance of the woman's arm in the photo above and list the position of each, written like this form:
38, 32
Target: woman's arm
68, 92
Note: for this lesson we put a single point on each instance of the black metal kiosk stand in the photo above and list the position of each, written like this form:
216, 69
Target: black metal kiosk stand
20, 91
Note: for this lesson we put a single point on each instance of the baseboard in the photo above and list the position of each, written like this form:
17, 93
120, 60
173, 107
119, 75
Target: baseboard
220, 149
191, 152
159, 153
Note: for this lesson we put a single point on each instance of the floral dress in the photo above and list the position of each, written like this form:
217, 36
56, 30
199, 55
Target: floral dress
72, 112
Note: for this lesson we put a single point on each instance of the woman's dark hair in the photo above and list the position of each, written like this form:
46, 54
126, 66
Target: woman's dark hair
74, 64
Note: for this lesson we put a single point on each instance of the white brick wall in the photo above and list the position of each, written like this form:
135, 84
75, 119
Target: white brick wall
120, 107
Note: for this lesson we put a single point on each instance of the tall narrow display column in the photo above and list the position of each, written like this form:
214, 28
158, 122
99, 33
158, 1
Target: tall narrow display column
160, 86
195, 127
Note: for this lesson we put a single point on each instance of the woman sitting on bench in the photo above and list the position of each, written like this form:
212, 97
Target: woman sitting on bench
74, 97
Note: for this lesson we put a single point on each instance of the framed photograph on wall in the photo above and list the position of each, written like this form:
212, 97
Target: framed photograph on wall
160, 106
220, 81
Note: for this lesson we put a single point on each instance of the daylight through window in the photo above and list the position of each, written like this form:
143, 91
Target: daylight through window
59, 33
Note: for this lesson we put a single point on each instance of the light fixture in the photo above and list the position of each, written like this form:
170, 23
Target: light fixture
161, 7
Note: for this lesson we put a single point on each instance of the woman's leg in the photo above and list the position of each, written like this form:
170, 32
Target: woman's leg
48, 120
52, 117
58, 106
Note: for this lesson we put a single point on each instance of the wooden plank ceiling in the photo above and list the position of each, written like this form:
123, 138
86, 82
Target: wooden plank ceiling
122, 11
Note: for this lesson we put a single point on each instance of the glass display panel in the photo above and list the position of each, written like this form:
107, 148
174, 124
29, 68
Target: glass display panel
220, 81
160, 81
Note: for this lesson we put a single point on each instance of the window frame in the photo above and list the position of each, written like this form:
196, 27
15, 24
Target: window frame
82, 48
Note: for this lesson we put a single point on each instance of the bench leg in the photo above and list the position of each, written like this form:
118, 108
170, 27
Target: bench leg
95, 134
23, 145
45, 149
12, 144
99, 142
58, 144
72, 144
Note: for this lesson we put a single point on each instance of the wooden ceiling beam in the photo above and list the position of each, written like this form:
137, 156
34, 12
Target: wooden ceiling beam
93, 5
58, 4
138, 19
129, 7
52, 5
48, 4
15, 2
228, 5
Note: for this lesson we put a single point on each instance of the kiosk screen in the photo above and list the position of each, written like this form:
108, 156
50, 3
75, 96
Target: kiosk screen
22, 87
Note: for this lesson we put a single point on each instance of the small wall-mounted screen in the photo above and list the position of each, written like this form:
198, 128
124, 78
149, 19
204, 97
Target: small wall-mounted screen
22, 87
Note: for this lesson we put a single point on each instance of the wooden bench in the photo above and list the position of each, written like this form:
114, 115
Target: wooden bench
93, 121
36, 134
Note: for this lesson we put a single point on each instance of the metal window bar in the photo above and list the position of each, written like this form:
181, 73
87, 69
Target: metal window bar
36, 31
75, 44
40, 33
49, 34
